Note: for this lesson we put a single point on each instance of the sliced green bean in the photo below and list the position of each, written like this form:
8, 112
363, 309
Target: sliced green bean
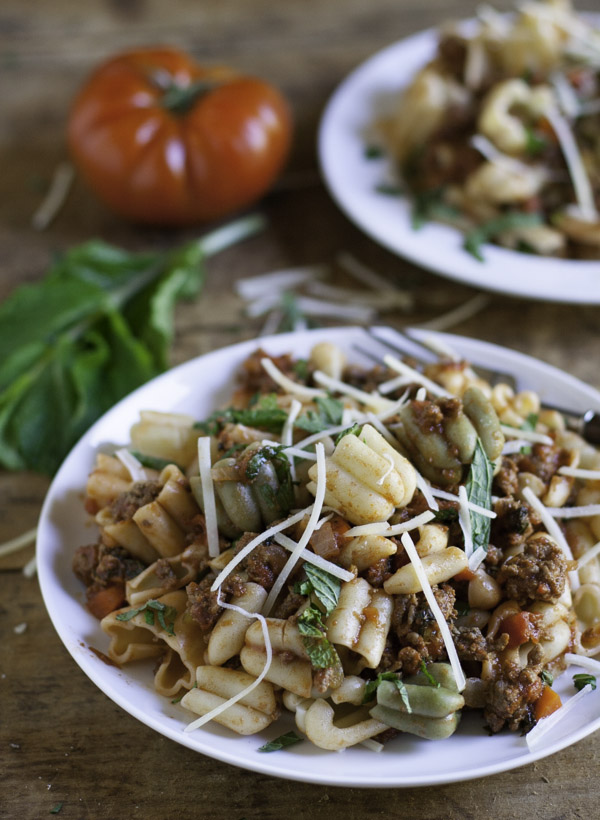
429, 701
431, 445
443, 477
264, 490
426, 727
481, 412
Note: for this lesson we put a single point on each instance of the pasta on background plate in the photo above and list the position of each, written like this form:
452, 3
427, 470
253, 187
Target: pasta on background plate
374, 550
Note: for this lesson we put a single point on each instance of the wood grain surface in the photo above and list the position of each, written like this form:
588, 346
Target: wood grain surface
62, 742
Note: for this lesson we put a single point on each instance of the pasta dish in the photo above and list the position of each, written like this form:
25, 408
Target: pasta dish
375, 550
499, 134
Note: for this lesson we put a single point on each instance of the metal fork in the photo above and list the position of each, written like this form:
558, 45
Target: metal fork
586, 424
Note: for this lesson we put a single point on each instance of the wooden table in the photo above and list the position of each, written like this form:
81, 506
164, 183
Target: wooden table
62, 742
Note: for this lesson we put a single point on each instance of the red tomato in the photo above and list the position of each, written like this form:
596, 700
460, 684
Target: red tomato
165, 141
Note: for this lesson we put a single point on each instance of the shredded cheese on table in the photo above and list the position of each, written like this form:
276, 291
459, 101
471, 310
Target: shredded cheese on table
253, 287
310, 527
208, 496
412, 553
19, 542
269, 657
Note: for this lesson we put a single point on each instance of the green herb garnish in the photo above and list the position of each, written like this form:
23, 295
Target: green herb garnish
154, 462
281, 742
535, 143
430, 205
373, 685
56, 809
430, 679
324, 586
319, 648
354, 430
301, 369
373, 152
98, 325
264, 414
475, 239
151, 609
547, 678
283, 498
582, 679
329, 414
479, 491
445, 516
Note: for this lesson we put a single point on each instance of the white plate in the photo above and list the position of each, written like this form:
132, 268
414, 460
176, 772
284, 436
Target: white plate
197, 387
352, 180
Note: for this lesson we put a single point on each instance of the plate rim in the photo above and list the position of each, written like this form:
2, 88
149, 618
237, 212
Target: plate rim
118, 693
459, 266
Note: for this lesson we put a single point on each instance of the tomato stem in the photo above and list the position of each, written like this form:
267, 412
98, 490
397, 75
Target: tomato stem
181, 98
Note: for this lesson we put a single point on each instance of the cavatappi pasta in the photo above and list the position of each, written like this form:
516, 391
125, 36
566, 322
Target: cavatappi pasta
372, 552
498, 133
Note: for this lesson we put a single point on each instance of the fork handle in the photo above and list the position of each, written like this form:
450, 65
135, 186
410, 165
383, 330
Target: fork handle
587, 424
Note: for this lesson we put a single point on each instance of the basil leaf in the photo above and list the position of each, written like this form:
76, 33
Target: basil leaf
354, 430
373, 685
281, 742
582, 679
329, 414
319, 648
325, 587
98, 325
479, 491
489, 230
265, 414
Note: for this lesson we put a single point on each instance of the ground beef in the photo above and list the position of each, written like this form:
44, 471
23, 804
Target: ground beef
98, 565
409, 661
512, 524
329, 678
543, 461
510, 697
202, 604
255, 378
126, 504
264, 564
506, 481
414, 625
470, 643
379, 572
537, 574
289, 605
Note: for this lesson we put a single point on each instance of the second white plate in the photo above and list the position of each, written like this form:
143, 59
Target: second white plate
352, 179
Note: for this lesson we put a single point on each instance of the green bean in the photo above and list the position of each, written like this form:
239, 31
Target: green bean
441, 672
426, 727
224, 522
462, 435
480, 411
429, 701
443, 477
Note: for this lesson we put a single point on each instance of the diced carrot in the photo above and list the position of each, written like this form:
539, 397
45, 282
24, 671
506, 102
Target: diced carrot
105, 600
465, 574
520, 628
549, 701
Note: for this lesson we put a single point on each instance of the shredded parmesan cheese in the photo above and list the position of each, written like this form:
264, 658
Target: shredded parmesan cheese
578, 472
435, 609
421, 394
389, 469
310, 527
404, 370
527, 435
19, 542
574, 512
314, 559
477, 558
514, 446
464, 519
588, 555
287, 433
335, 385
30, 568
427, 491
471, 505
581, 660
135, 468
208, 496
548, 723
269, 657
288, 384
363, 274
579, 176
237, 559
375, 528
411, 524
